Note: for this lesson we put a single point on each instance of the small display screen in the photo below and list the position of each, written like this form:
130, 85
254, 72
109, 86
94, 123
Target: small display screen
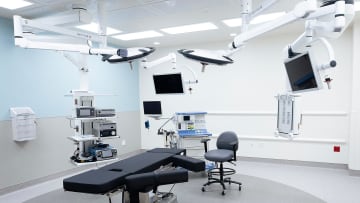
152, 107
85, 112
300, 73
186, 118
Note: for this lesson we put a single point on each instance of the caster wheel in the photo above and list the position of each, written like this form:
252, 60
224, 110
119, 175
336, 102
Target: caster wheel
223, 192
203, 189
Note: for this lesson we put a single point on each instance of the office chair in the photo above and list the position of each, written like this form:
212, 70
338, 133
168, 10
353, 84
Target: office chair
227, 145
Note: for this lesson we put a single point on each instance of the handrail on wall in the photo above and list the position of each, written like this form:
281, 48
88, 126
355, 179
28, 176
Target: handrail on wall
273, 113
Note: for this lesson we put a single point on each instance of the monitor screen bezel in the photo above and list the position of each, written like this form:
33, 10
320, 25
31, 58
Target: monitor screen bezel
152, 114
163, 74
314, 69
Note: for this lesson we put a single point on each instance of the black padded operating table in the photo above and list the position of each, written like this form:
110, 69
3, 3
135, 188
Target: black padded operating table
136, 174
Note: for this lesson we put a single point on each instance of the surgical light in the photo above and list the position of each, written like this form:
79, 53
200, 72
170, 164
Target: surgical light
14, 4
266, 17
138, 35
234, 22
190, 28
93, 27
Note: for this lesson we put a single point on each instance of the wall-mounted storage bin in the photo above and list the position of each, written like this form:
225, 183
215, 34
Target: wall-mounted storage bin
23, 123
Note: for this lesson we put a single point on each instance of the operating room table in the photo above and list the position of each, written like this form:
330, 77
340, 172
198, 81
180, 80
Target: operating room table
137, 174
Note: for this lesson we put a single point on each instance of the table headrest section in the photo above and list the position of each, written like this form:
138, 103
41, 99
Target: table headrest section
146, 181
189, 163
95, 181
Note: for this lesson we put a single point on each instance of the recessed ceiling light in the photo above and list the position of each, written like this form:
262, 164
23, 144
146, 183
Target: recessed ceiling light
357, 6
14, 4
266, 17
138, 35
234, 22
190, 28
156, 43
233, 34
93, 27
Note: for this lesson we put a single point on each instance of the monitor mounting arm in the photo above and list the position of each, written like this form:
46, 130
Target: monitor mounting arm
301, 10
170, 57
222, 57
329, 21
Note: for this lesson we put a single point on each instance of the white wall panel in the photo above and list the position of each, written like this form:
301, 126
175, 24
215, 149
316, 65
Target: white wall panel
249, 85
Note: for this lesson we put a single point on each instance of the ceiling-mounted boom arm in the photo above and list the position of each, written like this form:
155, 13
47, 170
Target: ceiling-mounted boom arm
22, 39
301, 10
319, 25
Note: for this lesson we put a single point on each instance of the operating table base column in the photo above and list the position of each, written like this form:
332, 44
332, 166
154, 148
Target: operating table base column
143, 197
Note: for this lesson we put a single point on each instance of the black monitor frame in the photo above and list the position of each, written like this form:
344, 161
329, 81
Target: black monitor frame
302, 73
152, 108
169, 83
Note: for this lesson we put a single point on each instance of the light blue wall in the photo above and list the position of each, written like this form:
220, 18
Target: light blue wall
40, 79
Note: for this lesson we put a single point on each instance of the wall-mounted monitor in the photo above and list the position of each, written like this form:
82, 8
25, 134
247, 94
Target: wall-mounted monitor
168, 83
302, 73
152, 108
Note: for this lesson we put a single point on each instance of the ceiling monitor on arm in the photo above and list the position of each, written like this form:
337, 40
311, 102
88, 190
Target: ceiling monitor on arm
168, 83
302, 73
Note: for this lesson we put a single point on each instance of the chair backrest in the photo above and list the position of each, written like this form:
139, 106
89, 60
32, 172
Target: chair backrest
224, 140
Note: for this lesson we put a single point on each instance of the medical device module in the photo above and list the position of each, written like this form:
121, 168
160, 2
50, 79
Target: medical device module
191, 129
104, 128
92, 126
85, 112
102, 152
191, 124
105, 112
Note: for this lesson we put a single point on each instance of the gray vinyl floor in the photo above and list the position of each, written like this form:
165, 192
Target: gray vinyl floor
263, 182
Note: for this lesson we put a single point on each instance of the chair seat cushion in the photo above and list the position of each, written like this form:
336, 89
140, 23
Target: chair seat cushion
219, 155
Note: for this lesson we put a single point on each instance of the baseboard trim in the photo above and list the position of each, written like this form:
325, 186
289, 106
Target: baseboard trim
354, 172
75, 170
295, 162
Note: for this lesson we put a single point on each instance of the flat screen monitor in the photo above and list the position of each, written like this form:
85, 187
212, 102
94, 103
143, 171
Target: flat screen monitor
168, 83
302, 74
152, 108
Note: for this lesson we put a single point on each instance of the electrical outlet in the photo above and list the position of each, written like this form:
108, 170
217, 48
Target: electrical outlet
123, 142
336, 148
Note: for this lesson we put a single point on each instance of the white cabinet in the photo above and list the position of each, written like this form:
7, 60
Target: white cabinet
23, 123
